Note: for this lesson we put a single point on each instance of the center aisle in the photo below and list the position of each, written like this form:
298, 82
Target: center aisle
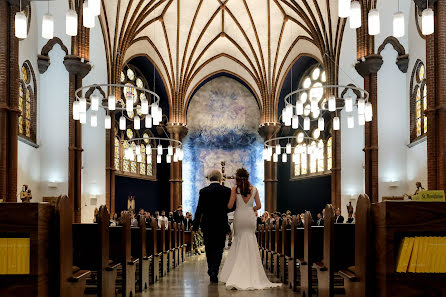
191, 279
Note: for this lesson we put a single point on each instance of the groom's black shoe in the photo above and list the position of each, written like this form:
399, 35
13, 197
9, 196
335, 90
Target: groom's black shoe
214, 278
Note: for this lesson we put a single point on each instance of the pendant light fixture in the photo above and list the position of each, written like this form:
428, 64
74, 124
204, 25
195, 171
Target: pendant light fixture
344, 8
20, 24
48, 24
122, 123
321, 124
107, 122
111, 102
398, 23
336, 123
427, 20
87, 16
95, 7
374, 22
71, 22
355, 15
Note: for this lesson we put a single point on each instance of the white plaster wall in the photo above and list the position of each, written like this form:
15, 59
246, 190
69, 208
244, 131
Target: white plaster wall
352, 140
28, 172
93, 139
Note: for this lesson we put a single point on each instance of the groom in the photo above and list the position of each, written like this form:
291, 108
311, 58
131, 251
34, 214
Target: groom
211, 215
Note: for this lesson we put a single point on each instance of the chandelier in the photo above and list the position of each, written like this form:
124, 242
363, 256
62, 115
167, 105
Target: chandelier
136, 106
174, 149
310, 105
303, 144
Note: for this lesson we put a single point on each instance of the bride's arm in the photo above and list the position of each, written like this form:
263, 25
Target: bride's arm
258, 203
232, 199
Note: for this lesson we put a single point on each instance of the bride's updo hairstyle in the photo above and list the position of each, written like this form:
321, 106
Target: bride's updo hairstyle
242, 180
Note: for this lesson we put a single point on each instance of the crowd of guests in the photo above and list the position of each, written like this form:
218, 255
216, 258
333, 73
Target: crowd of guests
277, 217
160, 216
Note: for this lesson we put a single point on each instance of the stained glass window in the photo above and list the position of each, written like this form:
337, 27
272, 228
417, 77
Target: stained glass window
297, 165
117, 154
329, 154
419, 101
27, 104
304, 164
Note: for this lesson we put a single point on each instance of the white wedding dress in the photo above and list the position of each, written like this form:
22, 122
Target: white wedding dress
243, 268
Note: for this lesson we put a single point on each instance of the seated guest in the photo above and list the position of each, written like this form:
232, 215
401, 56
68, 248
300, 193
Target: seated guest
338, 218
133, 220
140, 214
163, 218
187, 221
320, 220
288, 212
170, 218
265, 217
178, 215
96, 211
148, 218
114, 219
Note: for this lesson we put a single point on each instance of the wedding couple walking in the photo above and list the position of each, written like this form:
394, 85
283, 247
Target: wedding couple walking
243, 268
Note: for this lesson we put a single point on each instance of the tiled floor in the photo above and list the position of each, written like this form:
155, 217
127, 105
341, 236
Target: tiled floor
190, 279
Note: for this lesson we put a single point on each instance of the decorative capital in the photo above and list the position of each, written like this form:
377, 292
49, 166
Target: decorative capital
369, 64
76, 66
43, 62
403, 63
177, 130
267, 130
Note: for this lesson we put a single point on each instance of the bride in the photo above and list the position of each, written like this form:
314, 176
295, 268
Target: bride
243, 268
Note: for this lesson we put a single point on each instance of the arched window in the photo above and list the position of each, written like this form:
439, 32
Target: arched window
314, 156
145, 164
27, 103
418, 101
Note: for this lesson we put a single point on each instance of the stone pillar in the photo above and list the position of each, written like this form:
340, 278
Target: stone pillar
436, 113
268, 131
177, 132
78, 67
9, 88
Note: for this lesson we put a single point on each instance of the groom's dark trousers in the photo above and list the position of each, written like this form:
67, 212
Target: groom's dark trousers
211, 216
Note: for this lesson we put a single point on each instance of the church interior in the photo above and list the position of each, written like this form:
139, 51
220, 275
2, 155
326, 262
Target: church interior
113, 113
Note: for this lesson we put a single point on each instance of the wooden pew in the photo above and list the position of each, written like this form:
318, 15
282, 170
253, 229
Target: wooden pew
71, 279
176, 254
183, 245
91, 251
260, 236
277, 248
269, 246
357, 279
152, 250
139, 250
120, 251
161, 238
339, 252
188, 241
312, 253
168, 247
285, 252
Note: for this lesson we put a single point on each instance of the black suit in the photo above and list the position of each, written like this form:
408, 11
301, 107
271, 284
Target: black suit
211, 215
339, 219
187, 224
320, 222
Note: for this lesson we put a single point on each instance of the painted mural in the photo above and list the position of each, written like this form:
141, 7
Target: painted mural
222, 118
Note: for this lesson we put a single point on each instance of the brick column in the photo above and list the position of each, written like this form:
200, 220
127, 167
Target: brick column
268, 131
436, 75
9, 83
177, 132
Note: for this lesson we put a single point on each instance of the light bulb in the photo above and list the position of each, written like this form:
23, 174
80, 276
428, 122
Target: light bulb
122, 123
148, 121
107, 122
295, 124
83, 117
111, 102
368, 112
144, 106
148, 149
129, 104
361, 106
361, 120
181, 155
95, 7
321, 124
268, 158
175, 157
350, 122
275, 158
168, 159
71, 22
348, 104
336, 123
270, 151
138, 151
374, 22
158, 159
265, 153
76, 110
332, 103
288, 148
306, 123
137, 123
398, 24
82, 105
355, 15
160, 149
20, 25
299, 107
170, 150
344, 8
94, 119
427, 21
284, 157
94, 102
47, 26
278, 149
87, 16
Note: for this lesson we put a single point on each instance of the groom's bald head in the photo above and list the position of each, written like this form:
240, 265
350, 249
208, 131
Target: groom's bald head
215, 175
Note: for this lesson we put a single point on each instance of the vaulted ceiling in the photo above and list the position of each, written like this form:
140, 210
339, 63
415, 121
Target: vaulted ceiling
190, 40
